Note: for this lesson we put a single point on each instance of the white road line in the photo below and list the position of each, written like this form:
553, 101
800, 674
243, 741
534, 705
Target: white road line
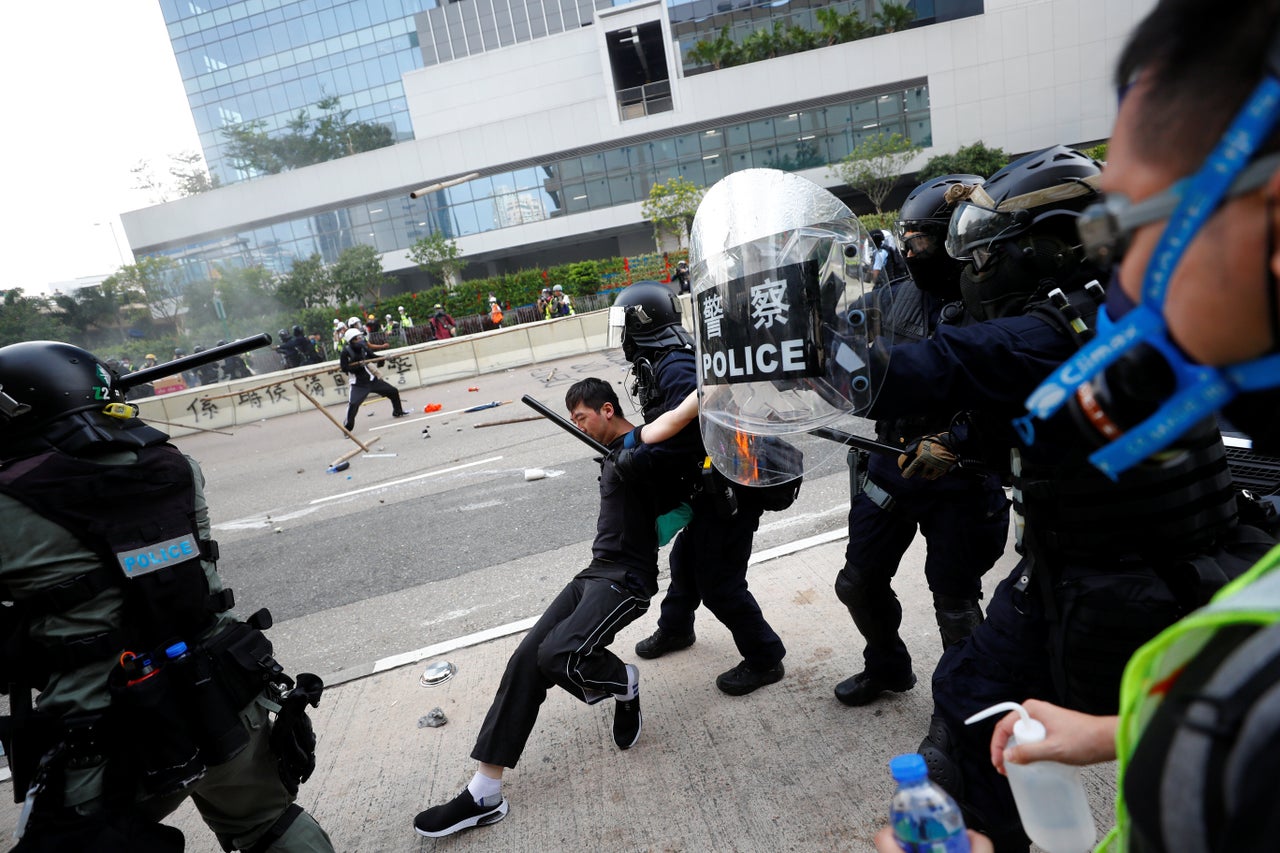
454, 644
525, 624
406, 480
798, 545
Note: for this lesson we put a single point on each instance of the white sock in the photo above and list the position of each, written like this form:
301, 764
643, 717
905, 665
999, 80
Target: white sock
633, 684
485, 790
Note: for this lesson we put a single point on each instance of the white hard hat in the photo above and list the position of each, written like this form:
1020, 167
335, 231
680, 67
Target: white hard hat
557, 288
337, 322
400, 308
351, 335
493, 299
353, 321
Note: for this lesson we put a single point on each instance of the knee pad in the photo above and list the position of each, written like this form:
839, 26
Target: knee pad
937, 749
856, 590
957, 618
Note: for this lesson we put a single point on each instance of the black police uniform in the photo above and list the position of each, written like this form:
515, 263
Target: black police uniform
709, 557
305, 349
1097, 577
964, 518
568, 645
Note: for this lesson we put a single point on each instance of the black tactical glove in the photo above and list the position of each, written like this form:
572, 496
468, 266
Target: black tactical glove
931, 457
624, 463
293, 741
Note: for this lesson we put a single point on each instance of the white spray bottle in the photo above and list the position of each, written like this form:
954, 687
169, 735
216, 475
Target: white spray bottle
1050, 796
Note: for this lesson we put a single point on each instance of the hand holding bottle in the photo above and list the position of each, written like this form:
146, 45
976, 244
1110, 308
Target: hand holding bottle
1070, 737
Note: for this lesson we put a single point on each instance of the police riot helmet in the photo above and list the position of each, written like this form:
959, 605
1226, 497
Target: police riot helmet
54, 393
298, 331
1017, 232
284, 334
221, 343
925, 216
646, 316
198, 348
1054, 182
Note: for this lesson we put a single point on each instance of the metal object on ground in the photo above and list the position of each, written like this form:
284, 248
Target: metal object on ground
437, 673
434, 719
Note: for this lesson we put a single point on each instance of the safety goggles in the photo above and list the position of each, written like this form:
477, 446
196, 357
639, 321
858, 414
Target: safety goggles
1105, 227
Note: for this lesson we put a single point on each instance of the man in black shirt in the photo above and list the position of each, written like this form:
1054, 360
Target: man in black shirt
569, 644
363, 378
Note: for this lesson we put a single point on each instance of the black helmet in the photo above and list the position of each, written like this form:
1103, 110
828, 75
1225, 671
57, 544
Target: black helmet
221, 343
1055, 182
178, 351
1018, 231
925, 215
647, 316
198, 348
64, 395
284, 334
928, 204
298, 332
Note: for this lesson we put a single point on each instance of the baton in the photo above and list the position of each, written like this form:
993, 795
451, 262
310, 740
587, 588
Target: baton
196, 359
842, 437
565, 424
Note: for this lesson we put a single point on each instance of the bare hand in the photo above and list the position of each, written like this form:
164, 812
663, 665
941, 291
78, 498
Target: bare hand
886, 843
1070, 737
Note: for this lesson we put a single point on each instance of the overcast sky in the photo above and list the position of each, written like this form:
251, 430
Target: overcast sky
89, 89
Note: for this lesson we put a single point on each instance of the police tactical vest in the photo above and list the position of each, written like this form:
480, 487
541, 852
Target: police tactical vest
140, 520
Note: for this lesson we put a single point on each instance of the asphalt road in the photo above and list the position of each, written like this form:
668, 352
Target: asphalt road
435, 534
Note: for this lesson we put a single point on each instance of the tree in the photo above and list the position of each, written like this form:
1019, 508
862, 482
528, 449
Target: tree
151, 278
29, 318
720, 52
837, 28
307, 140
357, 275
439, 257
190, 175
671, 207
975, 159
307, 284
187, 176
874, 167
894, 17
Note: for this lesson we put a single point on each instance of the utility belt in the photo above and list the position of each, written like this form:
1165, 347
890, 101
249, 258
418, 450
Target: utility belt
174, 712
860, 482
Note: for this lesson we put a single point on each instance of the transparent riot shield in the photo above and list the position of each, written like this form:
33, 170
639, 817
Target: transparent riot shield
785, 324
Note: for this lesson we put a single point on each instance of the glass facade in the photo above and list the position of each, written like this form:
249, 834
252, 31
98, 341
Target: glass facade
799, 138
696, 20
248, 60
454, 30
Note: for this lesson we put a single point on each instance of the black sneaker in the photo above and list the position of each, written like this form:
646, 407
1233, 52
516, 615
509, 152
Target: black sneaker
863, 689
627, 721
462, 812
660, 642
743, 679
399, 414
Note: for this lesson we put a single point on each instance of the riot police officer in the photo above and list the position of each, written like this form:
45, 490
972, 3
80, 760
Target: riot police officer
964, 519
234, 366
116, 615
304, 347
1105, 565
709, 557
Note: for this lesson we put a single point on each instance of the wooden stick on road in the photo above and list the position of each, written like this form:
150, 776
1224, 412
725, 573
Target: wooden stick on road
508, 421
316, 403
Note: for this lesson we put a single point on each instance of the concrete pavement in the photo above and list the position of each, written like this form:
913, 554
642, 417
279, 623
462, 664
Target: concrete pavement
786, 768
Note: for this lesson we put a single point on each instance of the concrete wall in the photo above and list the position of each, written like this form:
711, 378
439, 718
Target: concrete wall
271, 395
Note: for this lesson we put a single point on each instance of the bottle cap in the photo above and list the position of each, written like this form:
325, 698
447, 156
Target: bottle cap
176, 650
1026, 730
908, 768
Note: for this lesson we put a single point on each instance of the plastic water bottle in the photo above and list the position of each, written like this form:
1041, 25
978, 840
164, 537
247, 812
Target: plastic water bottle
1050, 796
924, 817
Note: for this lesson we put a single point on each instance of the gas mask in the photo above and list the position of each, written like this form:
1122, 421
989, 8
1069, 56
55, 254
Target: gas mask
1000, 280
1133, 387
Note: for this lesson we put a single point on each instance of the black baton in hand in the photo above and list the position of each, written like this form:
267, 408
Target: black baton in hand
565, 424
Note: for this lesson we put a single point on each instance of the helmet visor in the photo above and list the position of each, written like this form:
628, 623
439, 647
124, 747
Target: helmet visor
973, 226
617, 325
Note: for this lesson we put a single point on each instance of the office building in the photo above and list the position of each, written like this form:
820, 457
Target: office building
549, 120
